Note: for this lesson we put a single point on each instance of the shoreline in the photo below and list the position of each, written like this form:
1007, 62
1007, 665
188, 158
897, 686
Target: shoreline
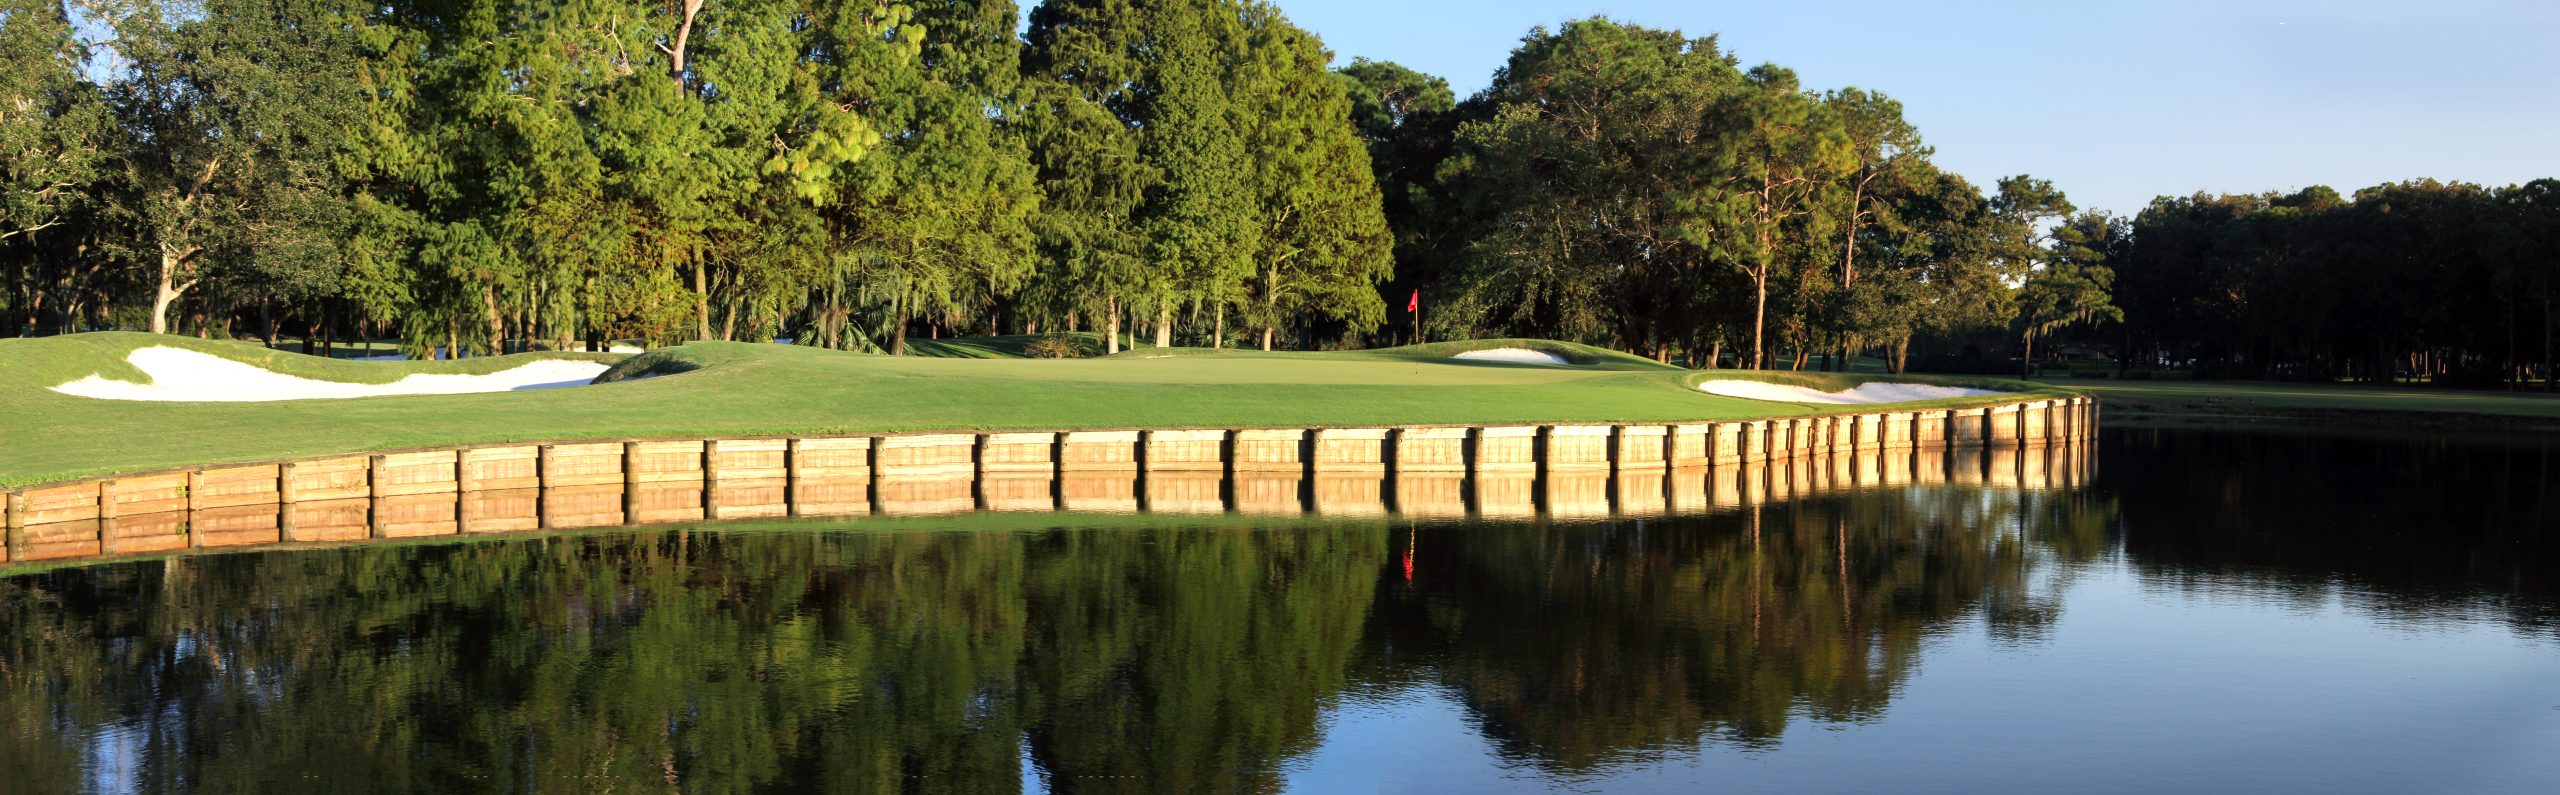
422, 491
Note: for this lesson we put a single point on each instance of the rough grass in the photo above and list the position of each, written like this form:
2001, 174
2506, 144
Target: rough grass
719, 388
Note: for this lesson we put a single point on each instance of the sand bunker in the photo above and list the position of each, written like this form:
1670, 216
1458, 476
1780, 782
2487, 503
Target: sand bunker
1521, 355
178, 374
1862, 393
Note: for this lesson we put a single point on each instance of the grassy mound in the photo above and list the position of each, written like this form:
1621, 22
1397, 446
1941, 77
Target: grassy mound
725, 388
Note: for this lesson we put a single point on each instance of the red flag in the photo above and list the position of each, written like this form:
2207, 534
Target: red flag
1414, 305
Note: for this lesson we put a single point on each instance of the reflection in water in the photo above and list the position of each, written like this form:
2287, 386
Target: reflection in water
1185, 654
1579, 645
2406, 527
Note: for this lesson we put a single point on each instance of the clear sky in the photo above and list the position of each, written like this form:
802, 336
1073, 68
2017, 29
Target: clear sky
2116, 102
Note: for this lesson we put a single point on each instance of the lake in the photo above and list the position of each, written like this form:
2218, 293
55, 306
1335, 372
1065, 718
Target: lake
2216, 610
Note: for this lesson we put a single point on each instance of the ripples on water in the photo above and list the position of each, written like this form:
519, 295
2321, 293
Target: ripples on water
2216, 610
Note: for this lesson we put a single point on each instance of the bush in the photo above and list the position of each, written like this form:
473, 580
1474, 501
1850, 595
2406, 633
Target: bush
1054, 346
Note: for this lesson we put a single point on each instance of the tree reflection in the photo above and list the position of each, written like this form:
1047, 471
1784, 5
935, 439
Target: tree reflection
1131, 657
1577, 645
2371, 520
1155, 660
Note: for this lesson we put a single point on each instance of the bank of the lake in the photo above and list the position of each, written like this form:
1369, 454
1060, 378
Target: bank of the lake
739, 389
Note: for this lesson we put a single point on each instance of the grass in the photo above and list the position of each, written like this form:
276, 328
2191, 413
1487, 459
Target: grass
717, 388
2267, 399
1010, 346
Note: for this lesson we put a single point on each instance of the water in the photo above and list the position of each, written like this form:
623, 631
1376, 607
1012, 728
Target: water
2212, 610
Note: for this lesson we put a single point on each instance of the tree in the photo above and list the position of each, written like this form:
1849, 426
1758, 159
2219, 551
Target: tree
1201, 220
52, 126
1576, 179
1931, 270
1324, 244
1409, 121
1196, 156
2074, 286
1083, 77
1888, 151
2534, 253
1779, 150
934, 224
54, 137
233, 110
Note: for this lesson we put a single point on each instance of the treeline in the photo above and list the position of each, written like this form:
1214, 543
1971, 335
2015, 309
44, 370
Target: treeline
486, 175
1631, 187
2449, 282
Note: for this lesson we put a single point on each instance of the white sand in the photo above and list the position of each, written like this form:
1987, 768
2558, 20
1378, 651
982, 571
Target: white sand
1860, 394
1521, 355
178, 374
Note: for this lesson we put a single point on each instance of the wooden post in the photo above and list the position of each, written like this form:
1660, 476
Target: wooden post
17, 525
287, 493
195, 487
377, 472
791, 477
464, 479
464, 483
107, 517
542, 487
630, 483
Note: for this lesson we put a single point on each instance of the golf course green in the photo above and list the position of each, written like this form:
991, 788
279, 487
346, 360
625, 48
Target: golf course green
724, 388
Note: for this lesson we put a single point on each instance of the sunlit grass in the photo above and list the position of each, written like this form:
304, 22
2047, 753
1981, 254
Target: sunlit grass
2244, 398
718, 388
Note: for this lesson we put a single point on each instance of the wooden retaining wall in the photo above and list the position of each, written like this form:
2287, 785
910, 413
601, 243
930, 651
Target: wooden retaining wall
1494, 471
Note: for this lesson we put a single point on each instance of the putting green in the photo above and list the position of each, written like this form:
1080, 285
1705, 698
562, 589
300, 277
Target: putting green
722, 389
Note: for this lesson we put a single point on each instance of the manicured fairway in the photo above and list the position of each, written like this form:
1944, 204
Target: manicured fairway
2272, 399
744, 389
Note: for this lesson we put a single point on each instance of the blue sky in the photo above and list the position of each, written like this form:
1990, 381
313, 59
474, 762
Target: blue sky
2116, 102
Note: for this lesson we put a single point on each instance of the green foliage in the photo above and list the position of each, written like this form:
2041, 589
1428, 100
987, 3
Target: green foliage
2404, 280
2073, 287
1325, 243
1576, 178
52, 125
1198, 158
1408, 120
55, 139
